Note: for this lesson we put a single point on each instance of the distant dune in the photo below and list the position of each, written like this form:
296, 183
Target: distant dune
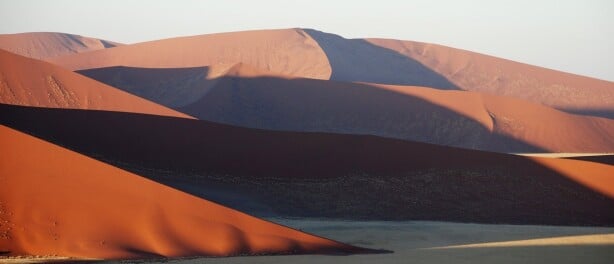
43, 45
332, 175
25, 81
482, 73
287, 51
243, 96
57, 202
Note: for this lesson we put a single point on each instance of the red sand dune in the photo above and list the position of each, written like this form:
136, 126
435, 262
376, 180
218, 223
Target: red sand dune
288, 51
57, 202
42, 45
455, 118
482, 73
30, 82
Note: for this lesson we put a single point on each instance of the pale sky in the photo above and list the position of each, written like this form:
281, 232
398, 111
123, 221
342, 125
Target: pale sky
575, 36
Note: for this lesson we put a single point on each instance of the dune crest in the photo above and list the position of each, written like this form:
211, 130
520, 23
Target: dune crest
57, 202
29, 82
43, 45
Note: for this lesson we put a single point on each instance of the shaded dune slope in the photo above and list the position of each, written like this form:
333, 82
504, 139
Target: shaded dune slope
355, 177
43, 45
25, 81
57, 202
454, 118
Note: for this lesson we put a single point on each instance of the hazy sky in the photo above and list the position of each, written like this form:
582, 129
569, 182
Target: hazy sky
571, 35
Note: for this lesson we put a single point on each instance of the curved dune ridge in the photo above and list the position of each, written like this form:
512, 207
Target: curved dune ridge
287, 51
473, 71
57, 202
29, 82
42, 45
243, 96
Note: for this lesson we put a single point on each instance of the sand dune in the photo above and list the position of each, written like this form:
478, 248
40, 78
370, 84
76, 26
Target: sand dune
332, 175
57, 202
314, 54
30, 82
455, 118
482, 73
43, 45
287, 51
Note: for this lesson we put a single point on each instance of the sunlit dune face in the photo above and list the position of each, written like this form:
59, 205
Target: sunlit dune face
58, 202
598, 177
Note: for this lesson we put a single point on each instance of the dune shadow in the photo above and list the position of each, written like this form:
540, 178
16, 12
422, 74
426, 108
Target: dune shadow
356, 60
322, 174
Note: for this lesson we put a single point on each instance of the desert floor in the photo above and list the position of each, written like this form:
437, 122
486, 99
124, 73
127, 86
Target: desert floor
443, 242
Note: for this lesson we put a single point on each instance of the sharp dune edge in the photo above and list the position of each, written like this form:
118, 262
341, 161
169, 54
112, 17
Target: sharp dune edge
29, 82
57, 202
43, 45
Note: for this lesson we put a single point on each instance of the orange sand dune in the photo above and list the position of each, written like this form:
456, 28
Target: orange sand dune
42, 45
57, 202
30, 82
482, 73
287, 51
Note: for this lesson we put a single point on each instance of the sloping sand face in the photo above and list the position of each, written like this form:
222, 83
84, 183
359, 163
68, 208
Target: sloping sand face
30, 82
42, 45
57, 202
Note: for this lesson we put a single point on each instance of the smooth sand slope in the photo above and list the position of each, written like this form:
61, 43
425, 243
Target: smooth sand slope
57, 202
243, 96
287, 51
482, 73
30, 82
332, 175
43, 45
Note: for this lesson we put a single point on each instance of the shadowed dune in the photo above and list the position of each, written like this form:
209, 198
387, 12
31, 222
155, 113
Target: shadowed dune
25, 81
453, 118
331, 175
482, 73
43, 45
57, 202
